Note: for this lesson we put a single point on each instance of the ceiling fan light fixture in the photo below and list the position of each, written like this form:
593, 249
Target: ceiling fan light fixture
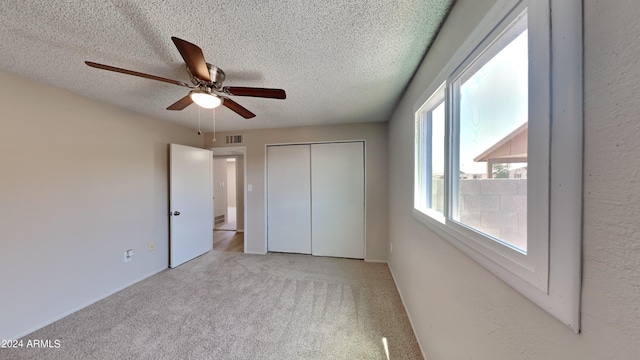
205, 99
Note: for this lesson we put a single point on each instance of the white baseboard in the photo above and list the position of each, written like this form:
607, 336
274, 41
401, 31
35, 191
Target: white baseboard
255, 253
408, 314
78, 308
240, 230
376, 261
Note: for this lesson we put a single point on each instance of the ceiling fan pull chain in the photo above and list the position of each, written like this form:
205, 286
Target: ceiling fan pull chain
213, 116
199, 132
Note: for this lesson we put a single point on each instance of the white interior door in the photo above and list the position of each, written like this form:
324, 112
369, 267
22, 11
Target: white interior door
337, 193
191, 205
288, 199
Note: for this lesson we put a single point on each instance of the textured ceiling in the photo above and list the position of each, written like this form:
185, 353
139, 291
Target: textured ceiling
339, 61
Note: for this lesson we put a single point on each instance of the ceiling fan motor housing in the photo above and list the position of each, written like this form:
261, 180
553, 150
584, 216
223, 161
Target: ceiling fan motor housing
216, 74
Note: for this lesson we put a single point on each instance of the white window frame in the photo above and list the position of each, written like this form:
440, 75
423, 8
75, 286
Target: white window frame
422, 161
549, 273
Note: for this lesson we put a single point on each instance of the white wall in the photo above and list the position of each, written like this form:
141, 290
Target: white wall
376, 177
219, 187
80, 183
461, 311
231, 183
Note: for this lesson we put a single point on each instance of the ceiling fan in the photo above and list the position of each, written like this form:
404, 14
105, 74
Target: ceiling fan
207, 90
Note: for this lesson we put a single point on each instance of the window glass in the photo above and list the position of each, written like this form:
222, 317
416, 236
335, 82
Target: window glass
430, 157
492, 100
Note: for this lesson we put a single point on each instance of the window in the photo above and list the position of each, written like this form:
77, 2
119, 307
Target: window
489, 175
430, 132
491, 97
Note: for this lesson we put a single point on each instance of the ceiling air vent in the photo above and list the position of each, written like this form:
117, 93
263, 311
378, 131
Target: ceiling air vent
233, 139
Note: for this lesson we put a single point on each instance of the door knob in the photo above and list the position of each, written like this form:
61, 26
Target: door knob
176, 213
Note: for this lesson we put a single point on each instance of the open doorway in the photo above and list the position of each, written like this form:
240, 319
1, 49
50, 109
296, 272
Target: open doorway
231, 208
227, 214
229, 199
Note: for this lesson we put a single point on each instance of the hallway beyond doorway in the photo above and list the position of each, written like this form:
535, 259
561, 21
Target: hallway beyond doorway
231, 223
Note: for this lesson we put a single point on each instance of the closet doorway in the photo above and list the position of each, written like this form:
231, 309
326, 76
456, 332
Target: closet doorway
315, 199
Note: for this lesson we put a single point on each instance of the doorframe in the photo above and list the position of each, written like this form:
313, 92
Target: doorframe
231, 151
266, 164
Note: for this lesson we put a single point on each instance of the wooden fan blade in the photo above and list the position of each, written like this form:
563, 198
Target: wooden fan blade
239, 109
181, 104
134, 73
256, 92
193, 57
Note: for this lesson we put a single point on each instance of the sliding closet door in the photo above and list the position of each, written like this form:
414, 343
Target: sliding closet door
288, 199
337, 206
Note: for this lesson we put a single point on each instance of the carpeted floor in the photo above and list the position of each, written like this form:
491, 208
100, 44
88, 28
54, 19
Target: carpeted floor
227, 306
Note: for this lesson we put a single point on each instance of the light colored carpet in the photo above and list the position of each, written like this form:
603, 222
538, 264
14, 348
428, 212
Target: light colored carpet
227, 306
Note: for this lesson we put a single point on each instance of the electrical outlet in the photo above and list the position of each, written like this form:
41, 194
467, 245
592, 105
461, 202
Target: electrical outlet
128, 255
151, 246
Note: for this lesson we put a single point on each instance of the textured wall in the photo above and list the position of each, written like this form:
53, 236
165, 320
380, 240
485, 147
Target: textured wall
376, 177
611, 290
80, 183
461, 311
